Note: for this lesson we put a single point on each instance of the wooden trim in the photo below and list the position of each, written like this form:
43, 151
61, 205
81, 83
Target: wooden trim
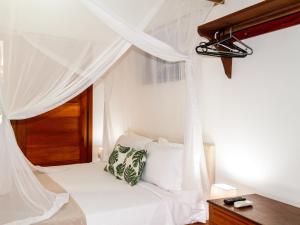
270, 26
87, 126
198, 223
83, 128
255, 20
227, 64
251, 16
217, 1
90, 123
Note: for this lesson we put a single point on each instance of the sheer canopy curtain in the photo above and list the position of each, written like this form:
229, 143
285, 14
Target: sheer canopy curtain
179, 32
46, 59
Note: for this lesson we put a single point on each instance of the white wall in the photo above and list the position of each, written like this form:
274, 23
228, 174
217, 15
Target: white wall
153, 110
254, 118
98, 109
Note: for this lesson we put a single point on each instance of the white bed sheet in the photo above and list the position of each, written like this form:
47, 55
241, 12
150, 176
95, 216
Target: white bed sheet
108, 201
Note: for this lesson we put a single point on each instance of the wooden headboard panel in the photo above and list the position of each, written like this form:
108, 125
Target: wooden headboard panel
60, 136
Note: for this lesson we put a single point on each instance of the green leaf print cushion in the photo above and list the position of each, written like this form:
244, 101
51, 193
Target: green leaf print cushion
127, 164
116, 160
134, 166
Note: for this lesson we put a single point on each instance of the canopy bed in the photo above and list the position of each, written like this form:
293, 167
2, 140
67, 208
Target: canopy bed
98, 196
51, 51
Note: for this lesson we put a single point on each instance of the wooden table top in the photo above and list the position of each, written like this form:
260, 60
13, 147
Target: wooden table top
264, 211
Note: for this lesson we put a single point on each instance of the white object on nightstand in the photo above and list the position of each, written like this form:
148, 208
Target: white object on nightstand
241, 204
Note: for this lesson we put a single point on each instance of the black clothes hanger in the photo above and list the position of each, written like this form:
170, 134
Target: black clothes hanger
222, 46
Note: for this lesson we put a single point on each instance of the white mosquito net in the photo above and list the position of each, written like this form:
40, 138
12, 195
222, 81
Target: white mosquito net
52, 50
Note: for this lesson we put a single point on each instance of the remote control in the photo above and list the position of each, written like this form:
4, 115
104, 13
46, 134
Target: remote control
231, 201
241, 204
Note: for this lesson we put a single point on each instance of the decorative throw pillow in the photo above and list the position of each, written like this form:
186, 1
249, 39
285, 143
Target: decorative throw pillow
134, 165
116, 160
127, 164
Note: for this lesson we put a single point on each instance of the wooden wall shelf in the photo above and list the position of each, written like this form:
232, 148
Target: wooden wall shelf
261, 18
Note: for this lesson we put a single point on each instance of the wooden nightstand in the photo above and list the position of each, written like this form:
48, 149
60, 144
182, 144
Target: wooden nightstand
265, 211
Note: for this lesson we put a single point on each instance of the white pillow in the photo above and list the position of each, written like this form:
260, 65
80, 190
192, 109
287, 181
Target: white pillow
133, 141
164, 165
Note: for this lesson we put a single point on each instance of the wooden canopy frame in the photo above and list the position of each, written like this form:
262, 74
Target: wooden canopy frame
261, 18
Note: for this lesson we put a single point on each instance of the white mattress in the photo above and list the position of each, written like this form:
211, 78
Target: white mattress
108, 201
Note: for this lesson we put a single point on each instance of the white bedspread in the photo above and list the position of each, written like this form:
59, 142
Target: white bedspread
108, 201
